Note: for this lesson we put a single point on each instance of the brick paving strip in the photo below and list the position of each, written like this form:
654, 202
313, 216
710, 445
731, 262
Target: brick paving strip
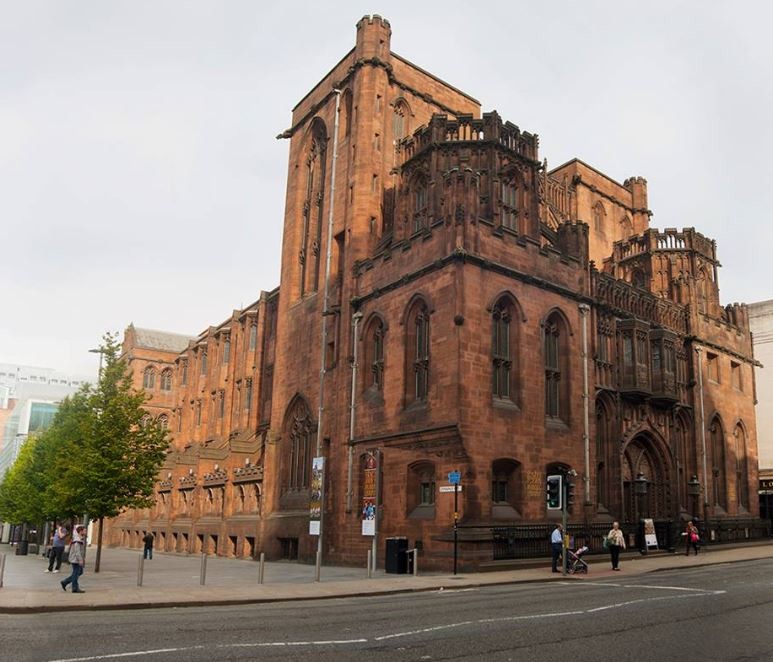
172, 580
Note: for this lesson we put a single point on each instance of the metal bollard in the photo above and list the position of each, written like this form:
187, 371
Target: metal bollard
369, 568
261, 567
140, 568
203, 574
415, 562
2, 568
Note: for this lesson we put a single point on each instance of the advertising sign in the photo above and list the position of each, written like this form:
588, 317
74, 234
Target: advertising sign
650, 539
369, 486
315, 504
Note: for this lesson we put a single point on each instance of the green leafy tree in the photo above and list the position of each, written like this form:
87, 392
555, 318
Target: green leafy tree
19, 500
100, 456
120, 453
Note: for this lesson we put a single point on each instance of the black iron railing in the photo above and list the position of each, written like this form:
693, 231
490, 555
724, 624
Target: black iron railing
533, 540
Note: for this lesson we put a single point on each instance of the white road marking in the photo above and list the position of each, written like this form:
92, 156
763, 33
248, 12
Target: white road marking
688, 593
330, 642
130, 654
423, 630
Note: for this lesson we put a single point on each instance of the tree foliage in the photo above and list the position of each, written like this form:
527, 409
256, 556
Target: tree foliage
98, 457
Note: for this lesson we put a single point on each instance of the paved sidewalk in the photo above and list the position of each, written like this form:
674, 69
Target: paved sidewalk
172, 580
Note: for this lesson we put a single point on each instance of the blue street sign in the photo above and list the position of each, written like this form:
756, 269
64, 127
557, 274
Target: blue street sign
455, 477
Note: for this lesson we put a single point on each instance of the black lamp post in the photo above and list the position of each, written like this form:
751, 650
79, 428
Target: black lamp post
640, 490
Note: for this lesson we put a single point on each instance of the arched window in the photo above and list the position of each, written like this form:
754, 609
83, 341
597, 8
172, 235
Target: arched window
420, 204
226, 350
718, 470
603, 448
149, 378
346, 106
417, 351
166, 379
253, 337
301, 431
504, 350
145, 421
313, 208
555, 355
741, 468
184, 372
204, 362
374, 354
599, 217
508, 198
163, 422
421, 490
626, 227
400, 121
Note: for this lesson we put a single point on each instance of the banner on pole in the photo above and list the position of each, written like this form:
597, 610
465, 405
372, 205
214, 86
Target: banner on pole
369, 495
315, 504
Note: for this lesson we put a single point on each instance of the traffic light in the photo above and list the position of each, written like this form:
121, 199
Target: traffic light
554, 492
569, 486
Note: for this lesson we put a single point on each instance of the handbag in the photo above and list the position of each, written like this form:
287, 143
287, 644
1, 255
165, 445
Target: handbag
605, 542
694, 537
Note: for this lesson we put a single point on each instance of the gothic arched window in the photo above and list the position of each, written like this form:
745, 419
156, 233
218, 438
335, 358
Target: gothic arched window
508, 197
301, 432
374, 354
555, 355
313, 204
504, 351
417, 350
166, 379
741, 468
599, 217
420, 204
149, 378
718, 470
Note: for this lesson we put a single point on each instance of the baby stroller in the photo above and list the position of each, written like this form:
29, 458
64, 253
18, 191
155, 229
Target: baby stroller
575, 562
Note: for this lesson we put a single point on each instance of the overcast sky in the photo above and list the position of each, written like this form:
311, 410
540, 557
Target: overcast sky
141, 181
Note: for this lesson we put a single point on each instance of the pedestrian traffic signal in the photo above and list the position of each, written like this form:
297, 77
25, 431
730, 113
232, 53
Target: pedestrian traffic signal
554, 492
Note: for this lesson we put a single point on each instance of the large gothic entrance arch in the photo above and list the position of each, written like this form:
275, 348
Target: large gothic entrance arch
643, 457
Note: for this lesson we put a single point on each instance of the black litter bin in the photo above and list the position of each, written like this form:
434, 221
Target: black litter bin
22, 548
396, 561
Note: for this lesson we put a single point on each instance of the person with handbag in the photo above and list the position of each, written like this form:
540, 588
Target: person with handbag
615, 543
691, 538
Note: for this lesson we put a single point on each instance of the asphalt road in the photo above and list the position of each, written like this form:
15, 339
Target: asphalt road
721, 612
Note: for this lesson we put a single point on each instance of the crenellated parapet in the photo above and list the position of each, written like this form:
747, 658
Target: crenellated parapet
467, 129
668, 239
630, 301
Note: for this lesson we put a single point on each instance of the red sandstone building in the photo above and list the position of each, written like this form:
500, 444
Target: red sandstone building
475, 311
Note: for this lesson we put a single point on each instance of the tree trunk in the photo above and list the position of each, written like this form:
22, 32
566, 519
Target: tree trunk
99, 546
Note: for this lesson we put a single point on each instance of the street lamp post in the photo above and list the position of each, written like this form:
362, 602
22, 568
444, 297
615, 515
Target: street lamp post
640, 490
694, 491
101, 352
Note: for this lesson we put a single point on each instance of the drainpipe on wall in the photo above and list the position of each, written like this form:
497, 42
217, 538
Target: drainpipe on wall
699, 352
325, 313
584, 311
355, 325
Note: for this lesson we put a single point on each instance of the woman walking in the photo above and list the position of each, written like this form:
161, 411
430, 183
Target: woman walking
691, 538
616, 542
